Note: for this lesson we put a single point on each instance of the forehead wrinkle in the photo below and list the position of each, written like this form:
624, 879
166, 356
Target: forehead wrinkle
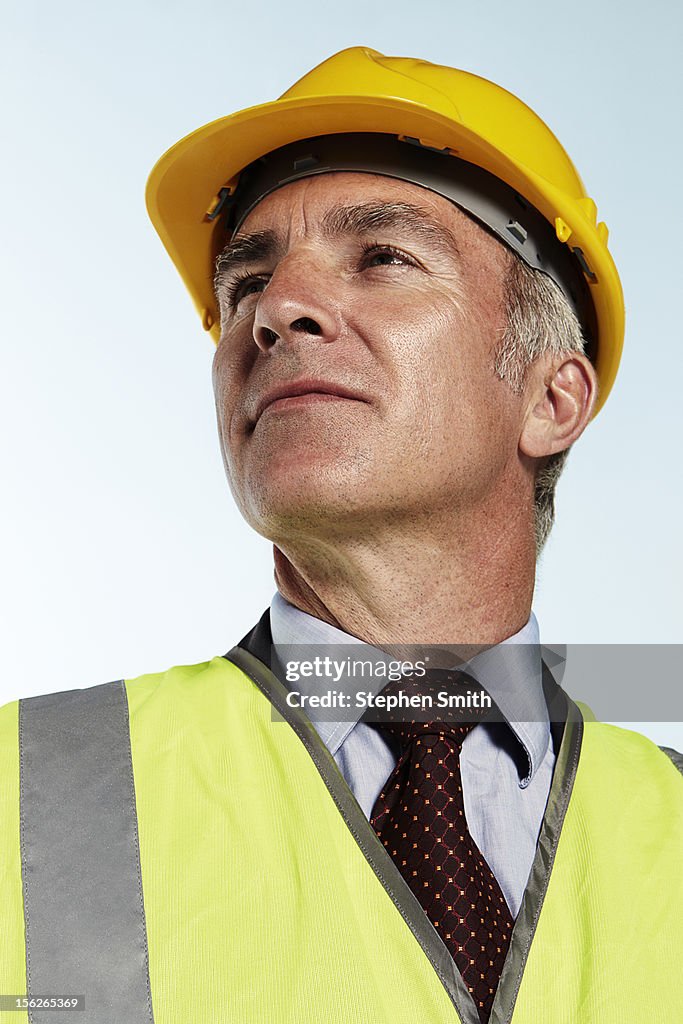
364, 218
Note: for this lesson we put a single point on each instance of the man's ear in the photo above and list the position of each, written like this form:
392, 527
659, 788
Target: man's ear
561, 393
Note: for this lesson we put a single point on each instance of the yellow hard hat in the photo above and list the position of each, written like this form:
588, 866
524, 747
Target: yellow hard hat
457, 114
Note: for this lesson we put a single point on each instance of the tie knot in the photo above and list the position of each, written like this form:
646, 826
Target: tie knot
442, 701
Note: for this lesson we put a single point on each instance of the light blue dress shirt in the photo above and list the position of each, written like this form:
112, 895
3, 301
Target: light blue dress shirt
506, 767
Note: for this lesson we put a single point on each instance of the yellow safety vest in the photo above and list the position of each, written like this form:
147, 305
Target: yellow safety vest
174, 851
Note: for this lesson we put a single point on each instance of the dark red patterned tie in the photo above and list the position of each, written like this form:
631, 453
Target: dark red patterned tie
420, 818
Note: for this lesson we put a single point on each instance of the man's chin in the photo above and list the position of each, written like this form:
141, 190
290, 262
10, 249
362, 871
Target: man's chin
304, 501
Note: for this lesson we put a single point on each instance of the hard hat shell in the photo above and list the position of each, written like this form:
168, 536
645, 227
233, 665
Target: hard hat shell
361, 90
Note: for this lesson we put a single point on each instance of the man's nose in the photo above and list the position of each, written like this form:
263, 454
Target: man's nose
299, 300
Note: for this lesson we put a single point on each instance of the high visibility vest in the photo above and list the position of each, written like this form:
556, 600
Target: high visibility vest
182, 847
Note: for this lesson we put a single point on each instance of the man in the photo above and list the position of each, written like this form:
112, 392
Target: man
416, 316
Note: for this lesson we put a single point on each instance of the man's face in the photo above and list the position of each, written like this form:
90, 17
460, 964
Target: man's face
384, 289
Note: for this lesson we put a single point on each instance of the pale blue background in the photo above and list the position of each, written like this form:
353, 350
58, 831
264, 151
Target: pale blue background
122, 552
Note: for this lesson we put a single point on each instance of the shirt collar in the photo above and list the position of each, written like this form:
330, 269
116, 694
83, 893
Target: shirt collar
511, 672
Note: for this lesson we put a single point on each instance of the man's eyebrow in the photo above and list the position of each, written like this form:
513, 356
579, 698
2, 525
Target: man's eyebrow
365, 218
244, 249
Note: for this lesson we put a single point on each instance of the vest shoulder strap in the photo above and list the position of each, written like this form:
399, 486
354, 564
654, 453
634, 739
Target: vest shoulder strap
80, 855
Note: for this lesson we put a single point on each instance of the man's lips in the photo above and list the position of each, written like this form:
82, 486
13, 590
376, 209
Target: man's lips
304, 387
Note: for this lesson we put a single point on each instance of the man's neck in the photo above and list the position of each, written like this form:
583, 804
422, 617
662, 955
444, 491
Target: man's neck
395, 588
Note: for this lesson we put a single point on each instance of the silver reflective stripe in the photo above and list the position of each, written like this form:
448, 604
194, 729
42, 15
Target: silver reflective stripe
83, 906
675, 756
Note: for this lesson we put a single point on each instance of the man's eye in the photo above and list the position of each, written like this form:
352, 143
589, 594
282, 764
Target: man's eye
384, 256
243, 286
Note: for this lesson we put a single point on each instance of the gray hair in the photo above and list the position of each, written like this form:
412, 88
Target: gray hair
539, 319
